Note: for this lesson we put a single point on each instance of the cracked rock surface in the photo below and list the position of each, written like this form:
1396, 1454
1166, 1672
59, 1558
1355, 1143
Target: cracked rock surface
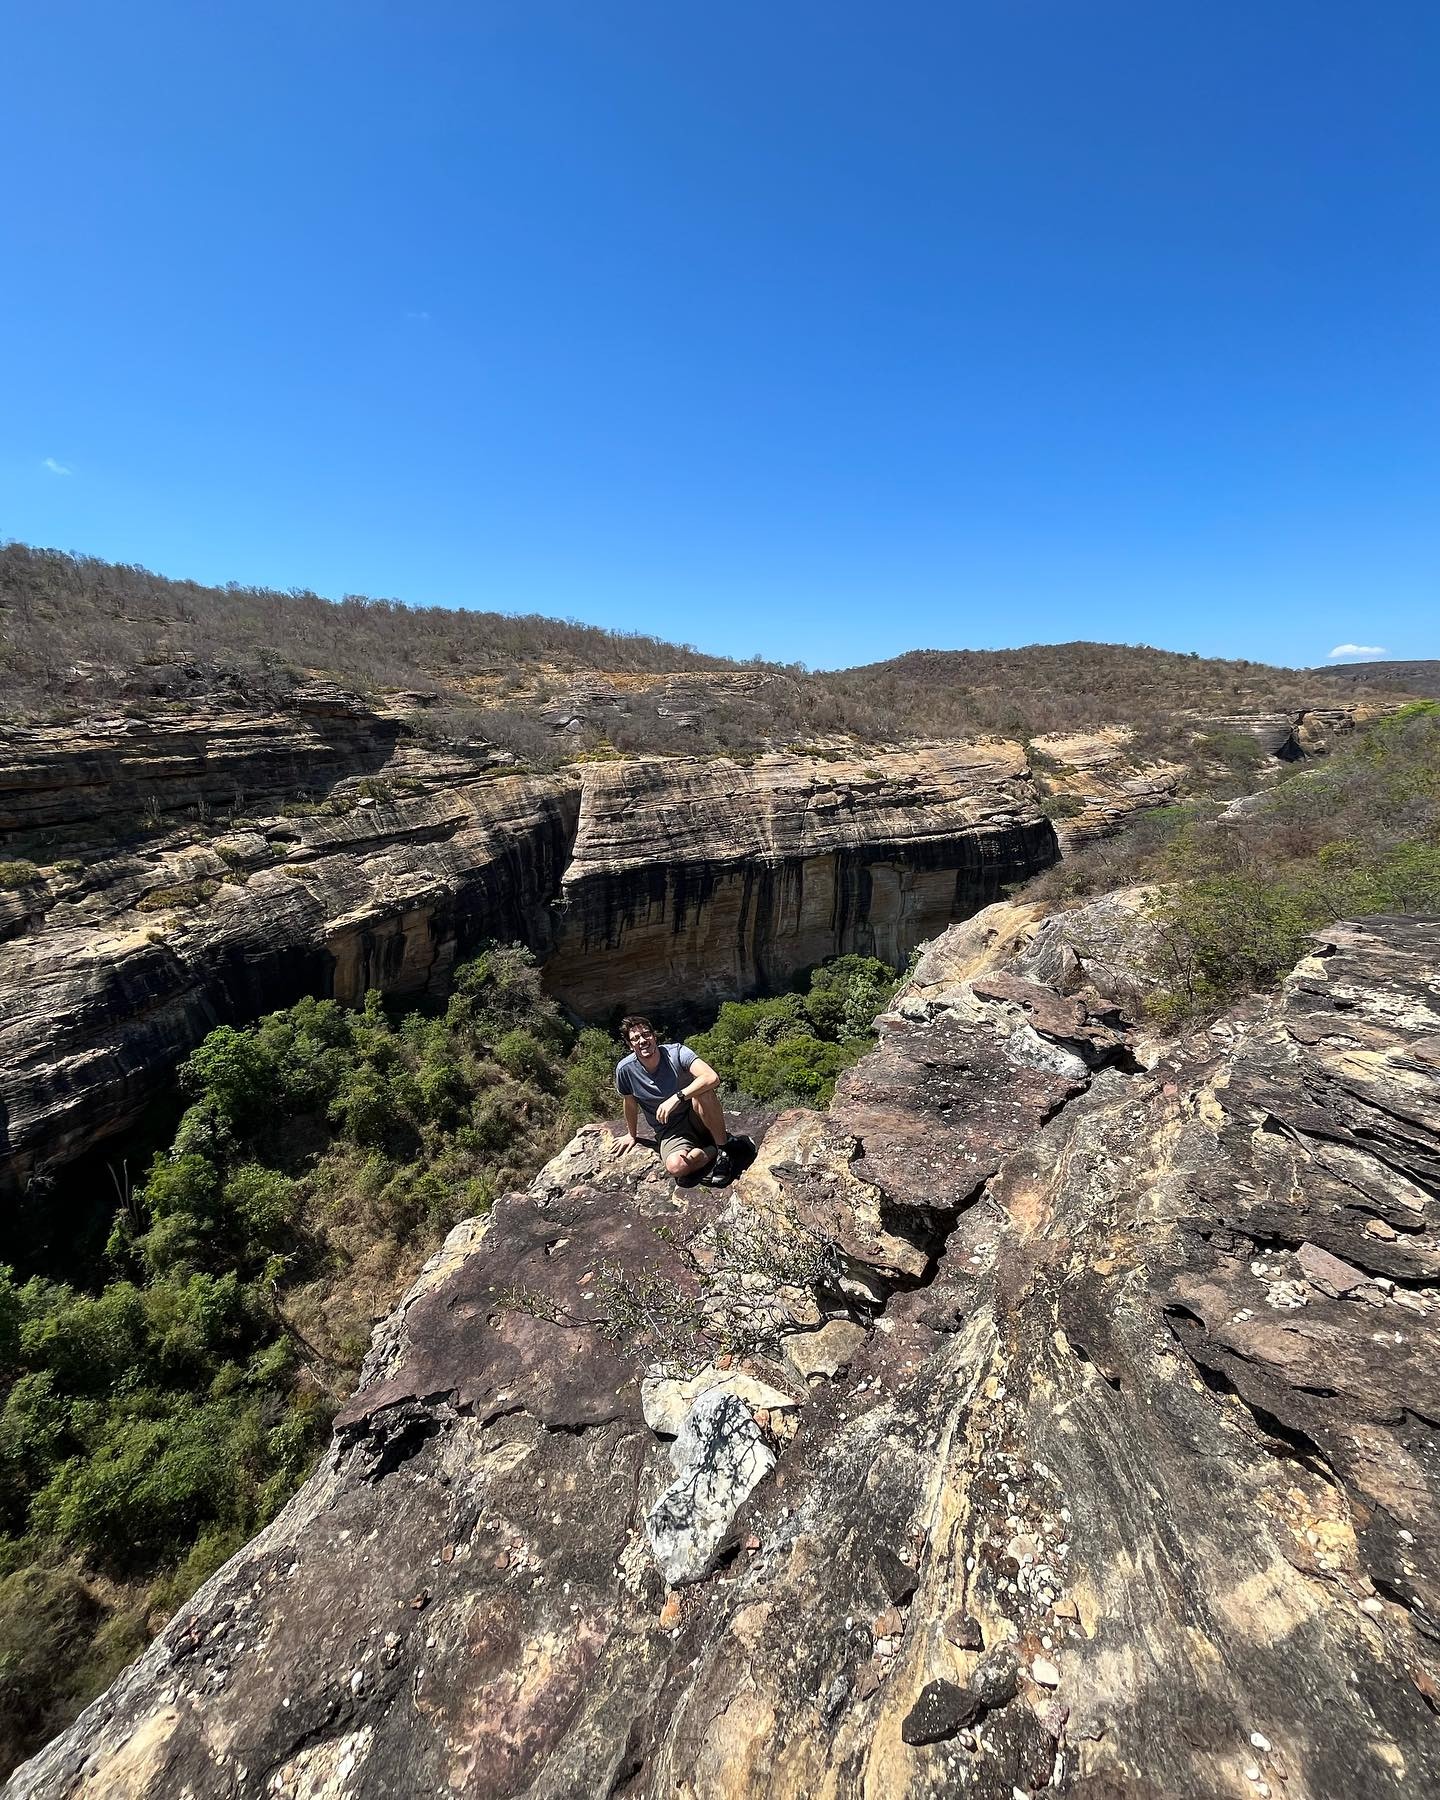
1127, 1487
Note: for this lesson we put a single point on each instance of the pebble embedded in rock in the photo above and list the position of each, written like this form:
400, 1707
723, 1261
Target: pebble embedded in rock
995, 1678
835, 1697
963, 1630
939, 1713
899, 1578
1045, 1672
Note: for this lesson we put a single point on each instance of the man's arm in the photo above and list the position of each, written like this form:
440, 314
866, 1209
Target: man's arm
632, 1117
703, 1080
700, 1078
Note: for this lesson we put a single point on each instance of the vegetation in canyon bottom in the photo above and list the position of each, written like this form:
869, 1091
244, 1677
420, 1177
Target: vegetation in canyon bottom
152, 1424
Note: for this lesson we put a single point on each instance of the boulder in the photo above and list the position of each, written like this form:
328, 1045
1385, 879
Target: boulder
720, 1456
666, 1397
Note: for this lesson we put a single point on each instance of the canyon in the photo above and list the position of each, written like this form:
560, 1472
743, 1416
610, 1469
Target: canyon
202, 867
1056, 1413
665, 882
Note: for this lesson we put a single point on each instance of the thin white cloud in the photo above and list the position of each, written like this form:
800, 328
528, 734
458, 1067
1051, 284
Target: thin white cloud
1358, 650
420, 318
55, 468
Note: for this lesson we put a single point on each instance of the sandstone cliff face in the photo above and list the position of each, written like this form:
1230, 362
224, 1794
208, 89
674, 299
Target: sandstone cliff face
100, 771
1076, 1433
698, 880
645, 882
113, 977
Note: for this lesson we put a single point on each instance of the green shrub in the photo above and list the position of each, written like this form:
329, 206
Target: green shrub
796, 1071
47, 1619
1360, 835
178, 896
846, 995
233, 1072
791, 1049
152, 1477
18, 874
521, 1054
590, 1078
367, 1109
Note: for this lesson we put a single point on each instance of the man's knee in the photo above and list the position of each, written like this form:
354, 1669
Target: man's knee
678, 1162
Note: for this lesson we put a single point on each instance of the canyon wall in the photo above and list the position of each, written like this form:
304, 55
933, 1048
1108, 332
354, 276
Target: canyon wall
648, 882
110, 975
173, 873
1056, 1415
96, 774
692, 881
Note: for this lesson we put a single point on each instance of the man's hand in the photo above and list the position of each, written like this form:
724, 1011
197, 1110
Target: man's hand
628, 1140
667, 1109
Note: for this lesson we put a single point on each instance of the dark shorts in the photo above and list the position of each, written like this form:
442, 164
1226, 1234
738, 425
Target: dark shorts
685, 1133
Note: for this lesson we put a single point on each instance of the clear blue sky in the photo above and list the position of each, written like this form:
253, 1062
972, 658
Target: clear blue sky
813, 328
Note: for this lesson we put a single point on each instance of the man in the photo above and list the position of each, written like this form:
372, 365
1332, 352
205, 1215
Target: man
679, 1096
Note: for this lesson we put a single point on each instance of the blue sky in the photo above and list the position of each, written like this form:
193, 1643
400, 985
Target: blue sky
823, 330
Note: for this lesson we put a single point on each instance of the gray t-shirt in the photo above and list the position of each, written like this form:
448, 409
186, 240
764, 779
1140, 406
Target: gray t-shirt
648, 1087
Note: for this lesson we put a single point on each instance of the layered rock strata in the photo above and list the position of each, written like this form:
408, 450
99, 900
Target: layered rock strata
1096, 785
657, 881
111, 975
1122, 1482
692, 880
80, 779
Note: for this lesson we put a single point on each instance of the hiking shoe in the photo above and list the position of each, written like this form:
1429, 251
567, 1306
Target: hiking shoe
742, 1151
721, 1172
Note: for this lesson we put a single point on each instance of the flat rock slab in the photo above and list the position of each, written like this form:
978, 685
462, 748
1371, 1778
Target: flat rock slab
936, 1109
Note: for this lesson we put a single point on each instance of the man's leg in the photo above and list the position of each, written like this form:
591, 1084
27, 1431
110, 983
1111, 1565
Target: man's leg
689, 1162
712, 1115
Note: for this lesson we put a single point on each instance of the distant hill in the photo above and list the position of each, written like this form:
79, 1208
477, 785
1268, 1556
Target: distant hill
1409, 677
1057, 687
74, 628
77, 633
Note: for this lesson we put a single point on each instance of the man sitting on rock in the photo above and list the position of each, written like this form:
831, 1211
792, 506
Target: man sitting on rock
679, 1096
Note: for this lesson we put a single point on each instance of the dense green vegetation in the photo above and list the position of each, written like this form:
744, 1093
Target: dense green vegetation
1240, 893
789, 1051
152, 1424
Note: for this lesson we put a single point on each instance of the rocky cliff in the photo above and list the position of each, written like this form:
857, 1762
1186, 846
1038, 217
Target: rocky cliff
647, 881
703, 879
1055, 1415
